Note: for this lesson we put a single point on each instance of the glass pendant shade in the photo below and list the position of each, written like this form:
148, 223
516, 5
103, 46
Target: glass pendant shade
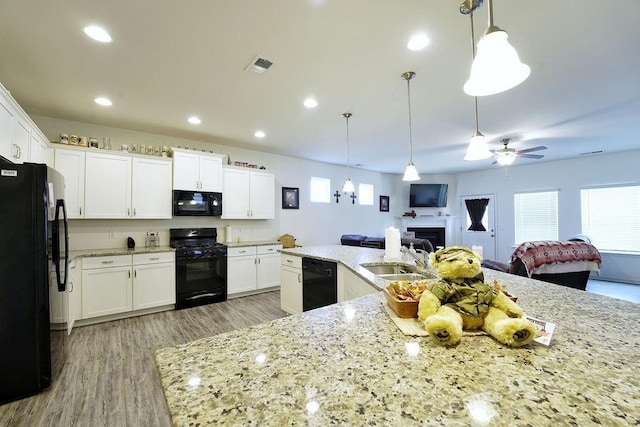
506, 159
496, 67
411, 173
348, 186
477, 149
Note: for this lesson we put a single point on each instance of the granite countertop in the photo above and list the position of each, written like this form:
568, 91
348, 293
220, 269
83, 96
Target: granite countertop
349, 364
351, 257
117, 251
244, 244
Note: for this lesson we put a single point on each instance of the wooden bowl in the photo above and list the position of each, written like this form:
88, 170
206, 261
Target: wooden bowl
404, 309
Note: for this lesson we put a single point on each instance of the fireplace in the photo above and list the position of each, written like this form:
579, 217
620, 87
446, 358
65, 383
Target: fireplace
436, 235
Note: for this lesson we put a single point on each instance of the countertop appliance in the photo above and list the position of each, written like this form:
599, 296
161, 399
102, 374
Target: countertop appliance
31, 354
196, 203
201, 266
319, 283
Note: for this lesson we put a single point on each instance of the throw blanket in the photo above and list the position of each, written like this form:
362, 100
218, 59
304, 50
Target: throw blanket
550, 256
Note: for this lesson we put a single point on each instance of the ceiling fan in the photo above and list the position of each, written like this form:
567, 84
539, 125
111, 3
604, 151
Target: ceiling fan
505, 156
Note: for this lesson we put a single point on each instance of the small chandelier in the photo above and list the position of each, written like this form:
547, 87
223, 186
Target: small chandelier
478, 149
410, 173
497, 67
348, 185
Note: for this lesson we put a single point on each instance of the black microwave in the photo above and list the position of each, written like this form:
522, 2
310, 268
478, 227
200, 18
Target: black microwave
196, 203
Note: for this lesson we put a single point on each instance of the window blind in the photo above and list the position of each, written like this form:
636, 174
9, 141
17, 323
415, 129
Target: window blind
536, 216
320, 190
365, 194
611, 217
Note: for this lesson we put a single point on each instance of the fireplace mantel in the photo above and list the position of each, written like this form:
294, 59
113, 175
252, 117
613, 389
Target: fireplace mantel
445, 222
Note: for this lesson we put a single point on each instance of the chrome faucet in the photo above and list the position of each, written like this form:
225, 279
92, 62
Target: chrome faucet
421, 261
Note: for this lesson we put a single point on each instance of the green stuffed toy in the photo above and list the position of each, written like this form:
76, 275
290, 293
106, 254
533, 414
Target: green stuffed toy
461, 300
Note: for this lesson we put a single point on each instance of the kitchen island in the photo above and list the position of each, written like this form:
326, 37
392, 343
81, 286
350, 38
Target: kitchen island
349, 364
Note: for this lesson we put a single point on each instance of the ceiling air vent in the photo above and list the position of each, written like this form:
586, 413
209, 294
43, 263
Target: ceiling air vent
259, 65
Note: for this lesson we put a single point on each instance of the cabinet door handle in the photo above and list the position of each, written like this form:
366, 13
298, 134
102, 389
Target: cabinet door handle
128, 212
299, 278
155, 258
70, 287
129, 274
135, 273
80, 210
107, 262
134, 211
290, 261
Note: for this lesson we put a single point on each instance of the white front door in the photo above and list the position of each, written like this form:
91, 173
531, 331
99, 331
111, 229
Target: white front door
485, 241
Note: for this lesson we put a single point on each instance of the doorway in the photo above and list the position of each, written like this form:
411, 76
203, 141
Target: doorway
480, 233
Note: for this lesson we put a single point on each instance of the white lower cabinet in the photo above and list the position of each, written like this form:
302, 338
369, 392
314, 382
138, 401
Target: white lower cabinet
250, 268
123, 283
57, 301
291, 283
107, 286
74, 291
351, 286
154, 280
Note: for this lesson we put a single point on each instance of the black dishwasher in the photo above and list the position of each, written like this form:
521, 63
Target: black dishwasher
319, 283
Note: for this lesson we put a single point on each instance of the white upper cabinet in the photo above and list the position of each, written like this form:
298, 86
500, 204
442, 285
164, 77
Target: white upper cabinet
107, 186
151, 188
20, 139
102, 184
262, 195
248, 194
6, 124
70, 163
193, 171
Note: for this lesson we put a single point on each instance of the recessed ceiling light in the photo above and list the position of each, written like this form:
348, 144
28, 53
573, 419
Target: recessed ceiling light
418, 41
259, 134
194, 120
310, 103
105, 102
98, 34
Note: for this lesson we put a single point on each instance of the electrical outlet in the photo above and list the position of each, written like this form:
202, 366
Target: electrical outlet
112, 234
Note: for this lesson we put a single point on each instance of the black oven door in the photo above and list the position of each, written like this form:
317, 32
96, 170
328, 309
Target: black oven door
201, 281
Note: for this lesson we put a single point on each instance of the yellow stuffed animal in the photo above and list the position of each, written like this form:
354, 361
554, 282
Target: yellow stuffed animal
461, 300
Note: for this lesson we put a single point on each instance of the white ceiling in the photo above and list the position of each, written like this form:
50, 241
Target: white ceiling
174, 58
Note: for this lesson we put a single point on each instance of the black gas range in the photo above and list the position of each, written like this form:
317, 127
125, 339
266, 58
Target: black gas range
201, 266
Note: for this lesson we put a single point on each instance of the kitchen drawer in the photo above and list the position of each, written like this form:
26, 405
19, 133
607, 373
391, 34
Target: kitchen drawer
154, 258
291, 260
268, 249
241, 251
106, 261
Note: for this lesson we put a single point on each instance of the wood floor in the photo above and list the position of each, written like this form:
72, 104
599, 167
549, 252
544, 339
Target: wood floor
110, 377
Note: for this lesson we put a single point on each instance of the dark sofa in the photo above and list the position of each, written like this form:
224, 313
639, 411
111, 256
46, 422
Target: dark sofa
378, 242
568, 252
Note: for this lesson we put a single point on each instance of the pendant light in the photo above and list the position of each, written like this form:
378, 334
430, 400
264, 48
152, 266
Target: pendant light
497, 67
477, 149
410, 173
348, 185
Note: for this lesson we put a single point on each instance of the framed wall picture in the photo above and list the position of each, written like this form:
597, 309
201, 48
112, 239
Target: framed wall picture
290, 198
384, 203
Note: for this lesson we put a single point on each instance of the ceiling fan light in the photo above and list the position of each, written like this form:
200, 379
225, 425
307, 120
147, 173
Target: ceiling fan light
348, 186
477, 149
505, 159
496, 67
411, 173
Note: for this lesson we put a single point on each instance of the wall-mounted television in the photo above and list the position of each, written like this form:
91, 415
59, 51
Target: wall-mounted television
428, 195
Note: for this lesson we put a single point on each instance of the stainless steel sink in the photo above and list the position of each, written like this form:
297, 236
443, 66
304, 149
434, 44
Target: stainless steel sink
404, 276
389, 268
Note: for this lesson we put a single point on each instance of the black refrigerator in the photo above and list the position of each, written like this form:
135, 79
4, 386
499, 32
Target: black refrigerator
33, 229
